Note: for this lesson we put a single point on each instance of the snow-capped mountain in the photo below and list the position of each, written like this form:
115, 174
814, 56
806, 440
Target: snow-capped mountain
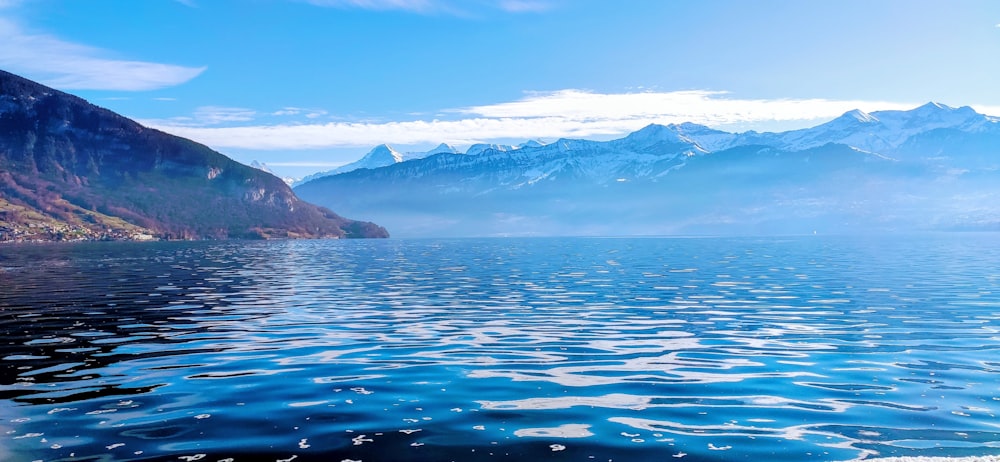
442, 148
265, 168
479, 148
261, 166
881, 132
380, 156
933, 167
384, 155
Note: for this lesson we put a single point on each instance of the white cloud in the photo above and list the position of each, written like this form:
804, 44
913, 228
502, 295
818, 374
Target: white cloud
562, 114
71, 66
988, 110
705, 107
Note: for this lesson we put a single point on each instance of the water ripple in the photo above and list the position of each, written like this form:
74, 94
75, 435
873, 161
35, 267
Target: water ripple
625, 349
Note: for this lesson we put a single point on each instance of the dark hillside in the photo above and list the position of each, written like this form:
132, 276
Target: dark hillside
69, 167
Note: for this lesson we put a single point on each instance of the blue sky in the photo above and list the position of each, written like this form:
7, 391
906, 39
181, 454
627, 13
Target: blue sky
305, 85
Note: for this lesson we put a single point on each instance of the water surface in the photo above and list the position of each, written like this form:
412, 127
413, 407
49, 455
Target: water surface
810, 348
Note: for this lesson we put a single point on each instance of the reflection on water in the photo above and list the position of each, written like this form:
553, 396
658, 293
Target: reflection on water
556, 349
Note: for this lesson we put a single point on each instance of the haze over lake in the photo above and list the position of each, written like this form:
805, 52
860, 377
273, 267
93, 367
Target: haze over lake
799, 348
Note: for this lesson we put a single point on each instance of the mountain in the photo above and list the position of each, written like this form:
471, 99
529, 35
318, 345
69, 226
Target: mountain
480, 148
72, 170
265, 168
931, 168
380, 156
882, 132
442, 148
383, 155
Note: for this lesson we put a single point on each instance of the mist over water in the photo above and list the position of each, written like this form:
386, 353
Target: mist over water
804, 348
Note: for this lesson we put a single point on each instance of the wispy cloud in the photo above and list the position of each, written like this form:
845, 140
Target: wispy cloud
525, 6
214, 115
300, 111
448, 7
406, 5
307, 164
71, 66
206, 116
562, 114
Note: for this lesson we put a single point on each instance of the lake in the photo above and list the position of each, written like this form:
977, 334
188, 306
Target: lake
800, 348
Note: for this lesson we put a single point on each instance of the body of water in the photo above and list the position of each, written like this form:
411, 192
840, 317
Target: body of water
807, 348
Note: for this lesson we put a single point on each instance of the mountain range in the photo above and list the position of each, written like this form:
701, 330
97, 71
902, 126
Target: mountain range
384, 155
931, 168
70, 170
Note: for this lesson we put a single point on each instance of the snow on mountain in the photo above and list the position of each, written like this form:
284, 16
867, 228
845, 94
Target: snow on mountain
384, 155
657, 149
698, 138
380, 156
933, 167
645, 153
881, 131
261, 166
654, 134
933, 116
480, 148
264, 168
442, 148
708, 139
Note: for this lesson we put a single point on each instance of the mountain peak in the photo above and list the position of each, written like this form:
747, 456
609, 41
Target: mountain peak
261, 166
933, 109
943, 115
384, 152
656, 133
654, 129
445, 147
934, 106
860, 116
480, 148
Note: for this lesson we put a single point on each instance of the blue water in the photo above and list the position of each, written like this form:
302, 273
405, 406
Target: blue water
809, 348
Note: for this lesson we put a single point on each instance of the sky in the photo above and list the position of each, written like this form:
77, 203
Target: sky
308, 85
